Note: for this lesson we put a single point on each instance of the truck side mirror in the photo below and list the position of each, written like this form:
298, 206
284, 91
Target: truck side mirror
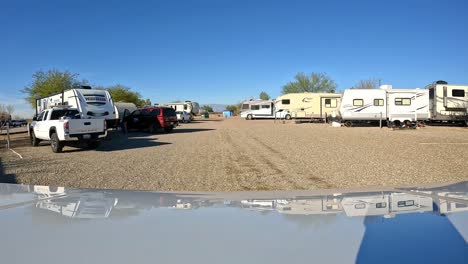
34, 118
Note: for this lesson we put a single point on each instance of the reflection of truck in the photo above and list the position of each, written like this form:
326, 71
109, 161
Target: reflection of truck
62, 126
91, 103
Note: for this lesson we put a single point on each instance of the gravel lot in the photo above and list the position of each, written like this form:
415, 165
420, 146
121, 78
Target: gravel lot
239, 155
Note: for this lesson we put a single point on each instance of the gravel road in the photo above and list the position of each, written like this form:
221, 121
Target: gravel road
239, 155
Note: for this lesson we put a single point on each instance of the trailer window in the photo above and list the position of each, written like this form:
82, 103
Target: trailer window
286, 101
254, 107
381, 205
360, 206
378, 102
245, 106
405, 203
265, 106
185, 107
402, 101
458, 93
358, 102
330, 103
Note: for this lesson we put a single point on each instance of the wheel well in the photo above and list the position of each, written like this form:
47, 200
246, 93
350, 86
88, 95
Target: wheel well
51, 131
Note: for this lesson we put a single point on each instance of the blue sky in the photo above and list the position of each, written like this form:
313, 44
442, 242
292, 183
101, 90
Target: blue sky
220, 51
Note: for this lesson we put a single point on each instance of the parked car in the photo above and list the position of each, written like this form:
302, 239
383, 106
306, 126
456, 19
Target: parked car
183, 116
153, 119
64, 126
17, 123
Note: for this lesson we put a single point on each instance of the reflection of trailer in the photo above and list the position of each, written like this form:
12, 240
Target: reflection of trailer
318, 205
448, 102
403, 202
87, 205
366, 205
451, 205
259, 204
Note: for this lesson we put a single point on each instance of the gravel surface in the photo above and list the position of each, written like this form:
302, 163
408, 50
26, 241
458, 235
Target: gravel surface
240, 155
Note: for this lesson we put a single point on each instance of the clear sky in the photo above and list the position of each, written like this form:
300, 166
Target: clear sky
221, 51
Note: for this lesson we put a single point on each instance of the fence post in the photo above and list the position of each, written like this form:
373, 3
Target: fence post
8, 135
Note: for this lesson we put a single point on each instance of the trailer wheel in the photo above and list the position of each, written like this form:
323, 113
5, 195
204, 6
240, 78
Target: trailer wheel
34, 140
55, 143
408, 124
348, 124
397, 123
249, 117
287, 117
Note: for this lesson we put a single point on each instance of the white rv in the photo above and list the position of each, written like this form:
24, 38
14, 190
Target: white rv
309, 105
448, 102
377, 204
193, 108
262, 109
91, 103
394, 105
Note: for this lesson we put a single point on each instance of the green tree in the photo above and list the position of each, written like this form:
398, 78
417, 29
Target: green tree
264, 96
315, 82
232, 108
367, 84
148, 102
121, 93
208, 108
50, 82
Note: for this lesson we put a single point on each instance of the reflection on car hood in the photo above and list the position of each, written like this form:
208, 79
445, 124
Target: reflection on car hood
408, 225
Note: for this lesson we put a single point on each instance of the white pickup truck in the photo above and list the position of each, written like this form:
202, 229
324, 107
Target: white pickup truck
64, 126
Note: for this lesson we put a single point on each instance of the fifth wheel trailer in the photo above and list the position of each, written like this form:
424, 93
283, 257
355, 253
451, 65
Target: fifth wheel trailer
448, 102
91, 103
193, 108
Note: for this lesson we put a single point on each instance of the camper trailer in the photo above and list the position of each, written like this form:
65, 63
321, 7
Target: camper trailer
377, 204
448, 102
309, 105
91, 103
124, 109
387, 104
193, 108
262, 109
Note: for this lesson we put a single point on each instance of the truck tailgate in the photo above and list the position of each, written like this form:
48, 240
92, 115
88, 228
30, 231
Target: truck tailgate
85, 126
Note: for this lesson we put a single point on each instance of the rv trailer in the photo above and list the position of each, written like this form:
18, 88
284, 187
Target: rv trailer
309, 105
91, 103
262, 109
396, 106
448, 102
193, 108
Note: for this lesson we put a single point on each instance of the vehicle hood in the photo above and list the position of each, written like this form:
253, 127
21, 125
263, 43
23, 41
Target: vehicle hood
398, 225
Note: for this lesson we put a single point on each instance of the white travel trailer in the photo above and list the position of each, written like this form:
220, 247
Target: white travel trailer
193, 108
124, 109
91, 103
404, 202
262, 109
319, 205
386, 104
448, 102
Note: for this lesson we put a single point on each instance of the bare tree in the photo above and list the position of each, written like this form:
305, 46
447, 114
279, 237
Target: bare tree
10, 109
367, 84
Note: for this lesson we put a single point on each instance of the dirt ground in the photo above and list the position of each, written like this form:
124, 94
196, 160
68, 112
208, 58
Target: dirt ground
239, 155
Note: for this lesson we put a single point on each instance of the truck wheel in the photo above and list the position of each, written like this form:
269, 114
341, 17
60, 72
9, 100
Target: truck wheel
34, 140
94, 144
152, 128
287, 117
168, 129
55, 143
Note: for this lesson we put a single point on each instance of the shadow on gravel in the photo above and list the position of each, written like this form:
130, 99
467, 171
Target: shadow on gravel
6, 178
131, 143
190, 130
207, 120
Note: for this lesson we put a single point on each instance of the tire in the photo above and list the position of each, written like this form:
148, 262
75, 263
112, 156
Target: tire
152, 128
55, 143
249, 117
348, 124
94, 144
34, 140
287, 117
168, 129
